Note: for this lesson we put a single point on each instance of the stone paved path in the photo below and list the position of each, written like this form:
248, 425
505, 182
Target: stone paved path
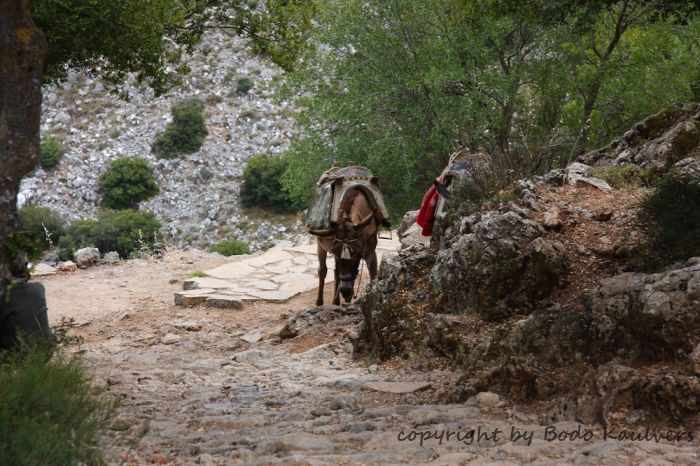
205, 396
206, 386
273, 276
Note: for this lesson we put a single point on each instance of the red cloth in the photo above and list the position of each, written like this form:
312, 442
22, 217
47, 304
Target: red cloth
426, 215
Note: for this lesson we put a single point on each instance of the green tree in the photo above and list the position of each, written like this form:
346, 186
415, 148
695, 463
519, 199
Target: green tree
624, 60
412, 80
262, 186
126, 182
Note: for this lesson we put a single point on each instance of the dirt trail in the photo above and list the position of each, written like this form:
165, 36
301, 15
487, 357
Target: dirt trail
212, 386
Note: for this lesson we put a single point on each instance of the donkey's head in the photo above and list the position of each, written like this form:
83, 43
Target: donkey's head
348, 250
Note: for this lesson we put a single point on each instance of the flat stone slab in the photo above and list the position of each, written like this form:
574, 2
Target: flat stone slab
293, 277
192, 297
275, 275
252, 337
259, 285
223, 301
233, 270
199, 283
269, 257
398, 387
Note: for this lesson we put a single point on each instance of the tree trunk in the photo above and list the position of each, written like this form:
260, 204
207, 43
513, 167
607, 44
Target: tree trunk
22, 53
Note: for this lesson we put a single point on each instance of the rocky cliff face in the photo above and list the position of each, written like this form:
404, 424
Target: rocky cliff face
198, 200
534, 298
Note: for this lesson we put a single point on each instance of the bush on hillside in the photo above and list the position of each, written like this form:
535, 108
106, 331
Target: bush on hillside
262, 186
51, 153
243, 86
126, 182
124, 231
42, 223
185, 134
231, 247
670, 218
49, 411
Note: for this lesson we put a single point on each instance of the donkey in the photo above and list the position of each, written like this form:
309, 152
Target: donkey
352, 239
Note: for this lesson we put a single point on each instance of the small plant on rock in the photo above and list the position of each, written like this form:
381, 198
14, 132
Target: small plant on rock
51, 153
126, 182
243, 86
185, 134
231, 247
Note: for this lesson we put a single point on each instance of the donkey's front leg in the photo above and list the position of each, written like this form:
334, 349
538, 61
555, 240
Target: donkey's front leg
336, 294
322, 272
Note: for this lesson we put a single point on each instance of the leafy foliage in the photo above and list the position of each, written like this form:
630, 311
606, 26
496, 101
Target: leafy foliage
262, 185
124, 231
112, 38
51, 153
126, 182
533, 83
185, 134
231, 247
40, 222
670, 218
49, 411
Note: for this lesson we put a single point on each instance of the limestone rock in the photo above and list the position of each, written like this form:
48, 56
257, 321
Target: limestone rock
223, 301
192, 297
490, 270
552, 218
171, 338
398, 387
111, 258
413, 235
662, 139
42, 269
67, 266
408, 220
659, 310
86, 257
687, 171
487, 399
694, 358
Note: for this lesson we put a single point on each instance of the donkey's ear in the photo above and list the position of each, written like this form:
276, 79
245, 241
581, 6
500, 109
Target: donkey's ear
363, 223
442, 189
323, 233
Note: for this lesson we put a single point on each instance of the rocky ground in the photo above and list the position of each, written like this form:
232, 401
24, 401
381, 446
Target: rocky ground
210, 386
198, 200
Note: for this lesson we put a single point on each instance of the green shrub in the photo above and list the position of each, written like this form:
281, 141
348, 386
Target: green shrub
124, 231
126, 182
49, 411
185, 134
37, 221
670, 218
628, 175
51, 153
231, 247
243, 86
618, 176
262, 187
